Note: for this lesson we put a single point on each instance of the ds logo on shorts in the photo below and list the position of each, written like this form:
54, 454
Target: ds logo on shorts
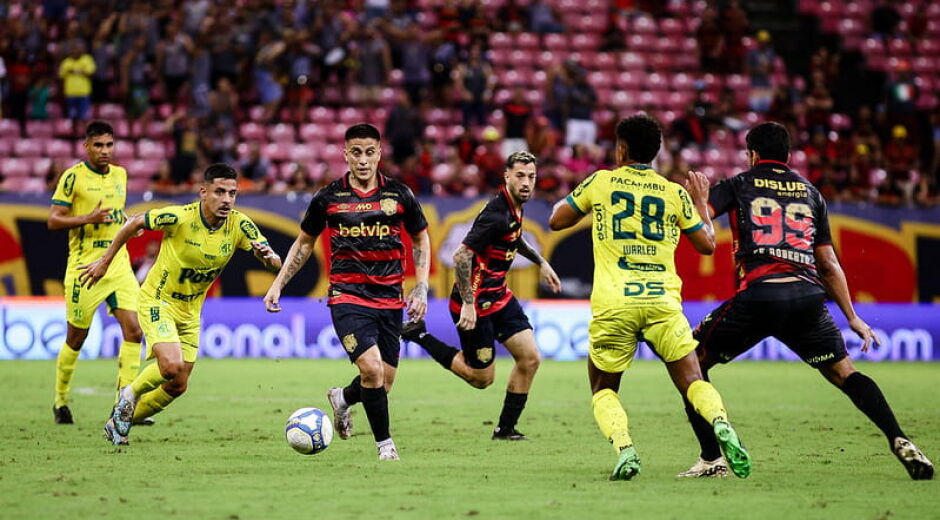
649, 288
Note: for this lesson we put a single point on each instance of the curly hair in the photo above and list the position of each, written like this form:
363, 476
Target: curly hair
642, 136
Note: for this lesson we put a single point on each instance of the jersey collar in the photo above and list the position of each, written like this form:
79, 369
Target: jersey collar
512, 205
92, 168
771, 162
364, 194
206, 222
639, 166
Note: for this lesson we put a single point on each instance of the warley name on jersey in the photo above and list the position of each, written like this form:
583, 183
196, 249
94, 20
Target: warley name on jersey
638, 217
192, 254
80, 189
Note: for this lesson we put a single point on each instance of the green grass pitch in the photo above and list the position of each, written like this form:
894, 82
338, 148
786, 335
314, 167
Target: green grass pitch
219, 452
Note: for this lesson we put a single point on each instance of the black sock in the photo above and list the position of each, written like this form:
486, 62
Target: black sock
512, 409
375, 401
704, 432
440, 351
864, 392
352, 394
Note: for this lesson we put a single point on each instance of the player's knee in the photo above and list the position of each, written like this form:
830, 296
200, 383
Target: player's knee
75, 338
530, 364
176, 387
171, 370
481, 381
372, 373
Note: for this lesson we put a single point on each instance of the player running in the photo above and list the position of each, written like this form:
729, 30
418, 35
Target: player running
89, 202
198, 241
638, 216
481, 305
786, 266
366, 214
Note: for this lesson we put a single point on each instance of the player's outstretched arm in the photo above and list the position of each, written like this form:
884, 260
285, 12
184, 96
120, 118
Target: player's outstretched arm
704, 238
463, 271
563, 216
59, 217
91, 273
546, 272
418, 299
832, 275
266, 255
299, 252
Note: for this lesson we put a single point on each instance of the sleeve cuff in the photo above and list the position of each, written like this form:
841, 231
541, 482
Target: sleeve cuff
58, 202
572, 203
694, 228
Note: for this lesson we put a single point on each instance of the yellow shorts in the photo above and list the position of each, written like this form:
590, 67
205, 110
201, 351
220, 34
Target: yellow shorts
614, 335
163, 324
118, 288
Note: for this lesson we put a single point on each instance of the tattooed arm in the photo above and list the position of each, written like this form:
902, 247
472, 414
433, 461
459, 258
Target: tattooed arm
463, 270
418, 299
546, 272
299, 252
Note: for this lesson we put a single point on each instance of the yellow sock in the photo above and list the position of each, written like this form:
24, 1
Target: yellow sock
152, 403
611, 418
148, 379
707, 401
64, 368
128, 363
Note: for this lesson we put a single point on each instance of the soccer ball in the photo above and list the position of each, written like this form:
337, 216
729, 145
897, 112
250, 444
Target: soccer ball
309, 431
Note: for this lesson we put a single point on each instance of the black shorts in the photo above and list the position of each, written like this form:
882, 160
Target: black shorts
358, 328
477, 344
795, 313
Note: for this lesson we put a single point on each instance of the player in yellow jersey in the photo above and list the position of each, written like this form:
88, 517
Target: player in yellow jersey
89, 202
199, 240
638, 218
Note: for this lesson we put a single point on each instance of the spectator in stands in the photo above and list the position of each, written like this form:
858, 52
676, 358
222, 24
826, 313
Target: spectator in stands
403, 129
818, 105
542, 139
298, 60
75, 71
39, 95
201, 80
219, 143
443, 62
465, 146
185, 132
474, 21
223, 103
103, 52
20, 74
299, 181
174, 61
270, 91
759, 66
52, 175
333, 31
885, 19
735, 25
901, 159
143, 264
511, 17
517, 113
475, 82
581, 161
543, 18
415, 57
711, 41
558, 88
901, 97
163, 183
580, 127
135, 79
375, 9
821, 153
373, 57
690, 130
614, 38
861, 172
490, 160
255, 167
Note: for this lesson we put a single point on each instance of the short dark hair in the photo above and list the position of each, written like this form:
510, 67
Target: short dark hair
363, 131
642, 135
219, 171
770, 140
96, 128
521, 157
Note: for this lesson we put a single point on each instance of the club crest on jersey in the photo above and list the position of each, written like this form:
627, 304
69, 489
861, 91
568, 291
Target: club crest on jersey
485, 355
249, 229
389, 206
350, 343
225, 248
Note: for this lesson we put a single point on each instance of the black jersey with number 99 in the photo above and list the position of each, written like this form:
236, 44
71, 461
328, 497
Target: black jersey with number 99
777, 219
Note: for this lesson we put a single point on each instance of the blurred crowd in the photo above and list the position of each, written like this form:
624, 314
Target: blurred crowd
204, 67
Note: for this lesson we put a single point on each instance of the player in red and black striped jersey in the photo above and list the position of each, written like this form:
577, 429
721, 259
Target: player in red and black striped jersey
366, 215
483, 308
786, 267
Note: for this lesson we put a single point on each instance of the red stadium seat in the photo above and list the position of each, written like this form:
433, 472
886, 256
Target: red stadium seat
639, 42
6, 147
312, 132
109, 111
25, 185
147, 149
527, 40
378, 116
276, 151
303, 153
40, 167
586, 42
37, 129
500, 57
62, 127
9, 128
628, 80
332, 153
28, 147
555, 42
631, 61
251, 132
13, 167
322, 115
59, 149
336, 133
644, 25
899, 47
605, 61
500, 41
282, 133
546, 60
351, 115
656, 81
